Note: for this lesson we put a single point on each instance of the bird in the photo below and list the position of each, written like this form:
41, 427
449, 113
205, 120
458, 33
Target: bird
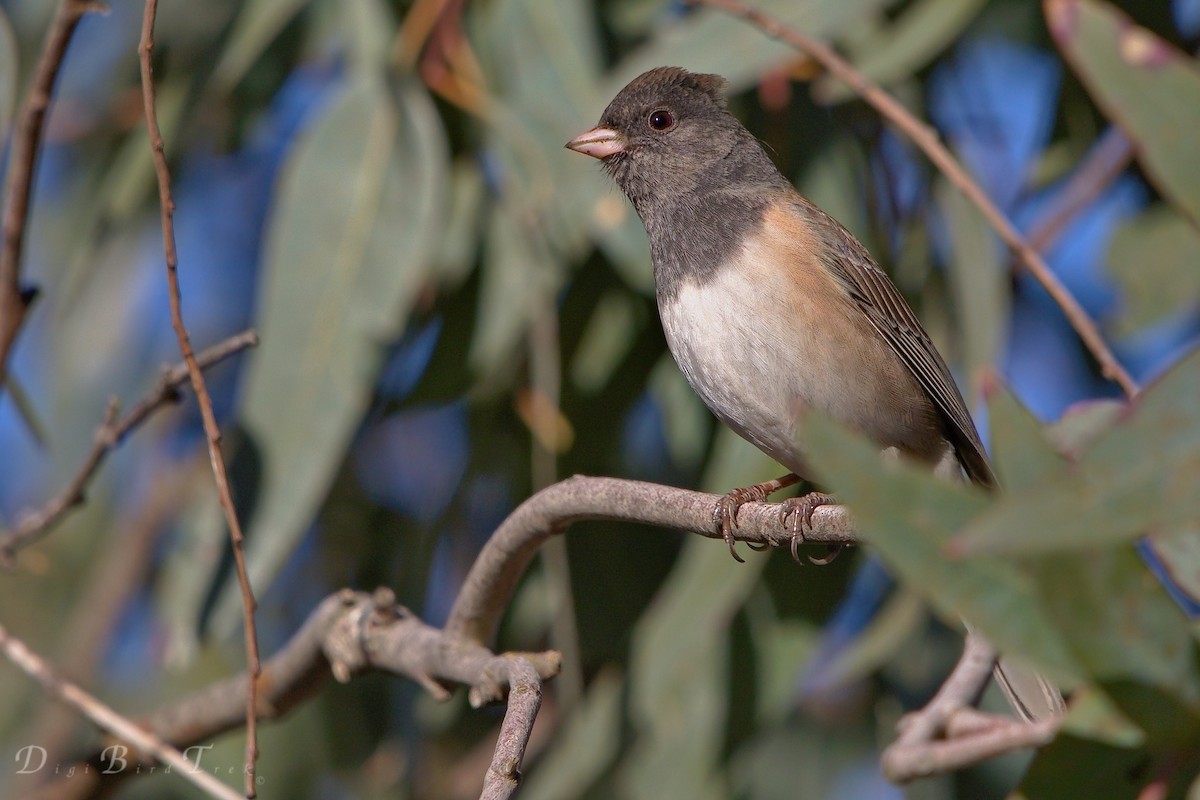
770, 307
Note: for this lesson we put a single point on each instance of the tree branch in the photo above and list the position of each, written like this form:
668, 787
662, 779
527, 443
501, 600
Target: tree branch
488, 586
348, 634
211, 430
948, 734
352, 632
36, 523
927, 139
15, 299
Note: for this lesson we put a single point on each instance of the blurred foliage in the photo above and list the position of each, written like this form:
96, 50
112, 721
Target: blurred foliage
380, 189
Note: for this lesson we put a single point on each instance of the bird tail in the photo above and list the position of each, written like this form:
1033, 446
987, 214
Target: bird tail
1032, 696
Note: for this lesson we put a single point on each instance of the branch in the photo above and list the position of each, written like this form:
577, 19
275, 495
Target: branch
35, 667
927, 139
36, 523
351, 633
211, 430
15, 299
949, 734
348, 634
489, 585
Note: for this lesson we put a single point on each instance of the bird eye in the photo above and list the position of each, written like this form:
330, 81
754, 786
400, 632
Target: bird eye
661, 120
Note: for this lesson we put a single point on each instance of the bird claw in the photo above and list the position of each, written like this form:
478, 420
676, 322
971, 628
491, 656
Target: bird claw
796, 513
725, 513
726, 518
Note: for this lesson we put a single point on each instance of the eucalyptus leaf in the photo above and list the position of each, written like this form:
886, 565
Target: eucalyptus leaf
979, 278
9, 74
679, 675
712, 41
910, 516
1155, 258
350, 244
922, 31
256, 26
1138, 476
609, 334
1021, 454
1119, 622
1142, 83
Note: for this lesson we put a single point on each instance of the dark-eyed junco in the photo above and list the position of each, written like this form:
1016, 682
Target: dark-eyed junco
769, 306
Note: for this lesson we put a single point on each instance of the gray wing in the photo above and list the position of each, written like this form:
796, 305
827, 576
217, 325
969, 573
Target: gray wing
891, 315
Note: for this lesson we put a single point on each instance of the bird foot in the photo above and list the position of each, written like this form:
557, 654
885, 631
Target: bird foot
725, 513
796, 513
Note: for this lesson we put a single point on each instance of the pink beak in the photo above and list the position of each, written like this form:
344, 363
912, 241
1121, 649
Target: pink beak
597, 143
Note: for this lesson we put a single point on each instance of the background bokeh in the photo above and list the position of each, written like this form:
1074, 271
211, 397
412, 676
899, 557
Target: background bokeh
455, 312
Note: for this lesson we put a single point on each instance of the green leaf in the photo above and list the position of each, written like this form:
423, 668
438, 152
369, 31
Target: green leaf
1155, 257
1021, 454
9, 74
259, 22
1083, 423
518, 275
541, 62
713, 41
922, 31
1119, 622
1074, 767
1137, 477
1092, 715
1142, 83
687, 424
910, 516
1178, 553
350, 244
606, 340
979, 278
679, 675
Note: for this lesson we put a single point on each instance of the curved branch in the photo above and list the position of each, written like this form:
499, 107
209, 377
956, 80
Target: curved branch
489, 585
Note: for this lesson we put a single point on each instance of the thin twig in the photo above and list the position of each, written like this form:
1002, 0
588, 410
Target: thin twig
212, 431
927, 139
124, 729
22, 163
111, 432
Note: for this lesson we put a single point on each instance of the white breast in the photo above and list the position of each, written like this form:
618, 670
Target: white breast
745, 369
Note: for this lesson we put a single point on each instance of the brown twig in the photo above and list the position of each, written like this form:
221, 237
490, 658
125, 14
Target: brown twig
22, 162
212, 431
107, 719
927, 139
948, 734
111, 432
348, 634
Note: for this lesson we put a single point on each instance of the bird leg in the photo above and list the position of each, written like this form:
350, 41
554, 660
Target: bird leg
796, 513
725, 513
